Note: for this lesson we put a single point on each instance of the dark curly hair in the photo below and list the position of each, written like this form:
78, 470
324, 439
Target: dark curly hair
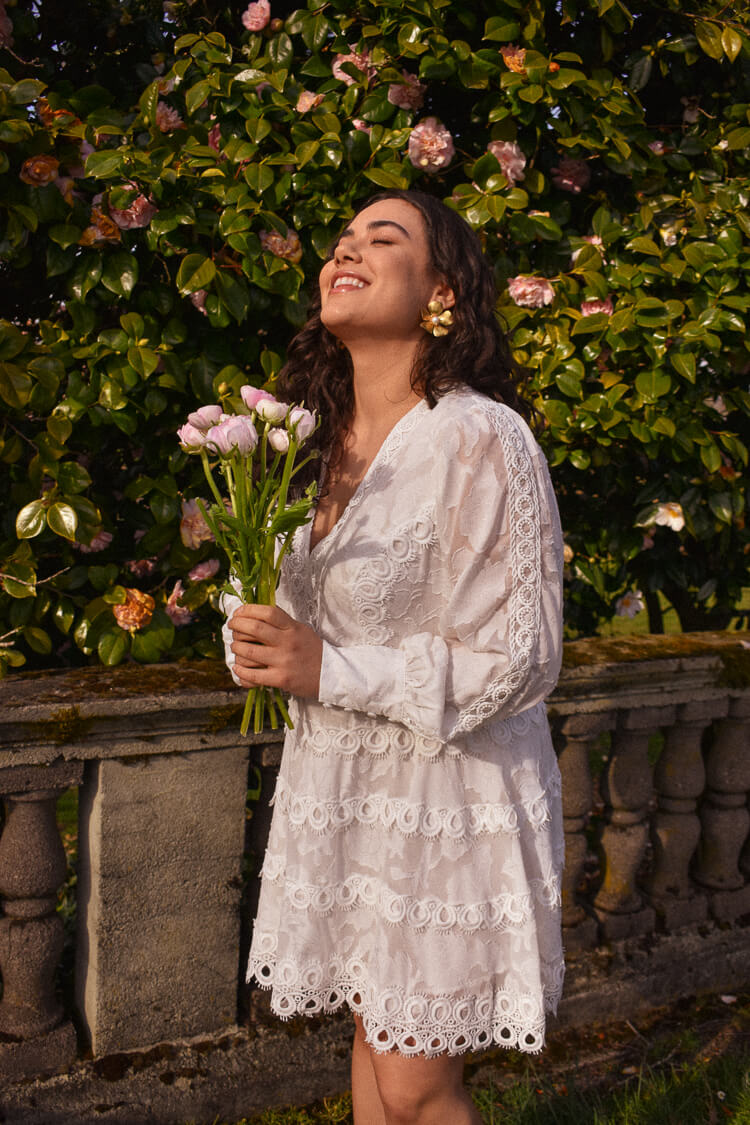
475, 352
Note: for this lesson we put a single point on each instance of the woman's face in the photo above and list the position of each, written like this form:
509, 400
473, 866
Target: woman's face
380, 276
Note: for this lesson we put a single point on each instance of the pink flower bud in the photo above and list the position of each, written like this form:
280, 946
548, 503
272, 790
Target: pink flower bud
251, 396
302, 422
278, 440
205, 417
191, 438
235, 433
272, 411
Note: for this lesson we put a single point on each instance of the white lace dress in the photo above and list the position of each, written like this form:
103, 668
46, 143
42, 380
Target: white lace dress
414, 858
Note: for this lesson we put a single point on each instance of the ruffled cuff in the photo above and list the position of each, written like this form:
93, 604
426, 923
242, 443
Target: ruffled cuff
229, 604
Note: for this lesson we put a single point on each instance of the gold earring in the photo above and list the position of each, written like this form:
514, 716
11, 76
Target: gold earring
436, 320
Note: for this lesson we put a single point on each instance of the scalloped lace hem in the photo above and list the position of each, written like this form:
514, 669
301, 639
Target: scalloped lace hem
412, 1025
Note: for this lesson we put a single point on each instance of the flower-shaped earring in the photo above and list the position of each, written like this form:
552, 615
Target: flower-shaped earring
436, 320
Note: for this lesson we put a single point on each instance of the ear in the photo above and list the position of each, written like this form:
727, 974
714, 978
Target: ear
443, 293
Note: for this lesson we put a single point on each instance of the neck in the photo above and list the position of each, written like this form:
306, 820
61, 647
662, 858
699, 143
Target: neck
382, 383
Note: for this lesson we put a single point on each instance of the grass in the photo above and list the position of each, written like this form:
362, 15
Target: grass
687, 1065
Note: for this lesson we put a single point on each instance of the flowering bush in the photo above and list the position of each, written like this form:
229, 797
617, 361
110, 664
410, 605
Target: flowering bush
163, 222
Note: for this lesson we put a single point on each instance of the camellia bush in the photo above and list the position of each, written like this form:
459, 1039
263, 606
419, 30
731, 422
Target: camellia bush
162, 229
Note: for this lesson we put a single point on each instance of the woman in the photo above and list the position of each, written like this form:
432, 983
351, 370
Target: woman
413, 864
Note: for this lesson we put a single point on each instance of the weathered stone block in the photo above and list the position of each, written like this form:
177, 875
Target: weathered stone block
616, 927
161, 842
728, 905
51, 1053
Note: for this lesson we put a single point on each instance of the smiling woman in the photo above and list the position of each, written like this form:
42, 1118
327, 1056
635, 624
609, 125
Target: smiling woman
413, 864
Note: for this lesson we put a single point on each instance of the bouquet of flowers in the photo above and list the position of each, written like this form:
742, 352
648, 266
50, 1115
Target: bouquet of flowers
254, 523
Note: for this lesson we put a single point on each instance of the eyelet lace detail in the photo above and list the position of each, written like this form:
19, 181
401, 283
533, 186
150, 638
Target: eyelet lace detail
413, 1024
501, 913
411, 818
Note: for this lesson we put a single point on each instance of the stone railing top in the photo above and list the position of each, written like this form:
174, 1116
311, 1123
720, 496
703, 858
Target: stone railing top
146, 709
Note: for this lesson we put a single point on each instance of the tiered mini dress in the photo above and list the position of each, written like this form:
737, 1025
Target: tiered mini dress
415, 853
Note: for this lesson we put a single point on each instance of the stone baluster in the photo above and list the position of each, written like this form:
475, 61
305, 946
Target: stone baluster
36, 1037
680, 779
580, 733
627, 789
724, 815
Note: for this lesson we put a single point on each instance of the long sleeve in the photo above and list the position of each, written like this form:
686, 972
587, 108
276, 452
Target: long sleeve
229, 604
494, 644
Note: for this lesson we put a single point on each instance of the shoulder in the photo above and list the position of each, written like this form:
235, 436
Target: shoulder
477, 424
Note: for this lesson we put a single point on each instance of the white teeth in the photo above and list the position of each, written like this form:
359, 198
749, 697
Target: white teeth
355, 281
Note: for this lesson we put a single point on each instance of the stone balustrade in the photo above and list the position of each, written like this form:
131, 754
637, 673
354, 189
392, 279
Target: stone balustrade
653, 739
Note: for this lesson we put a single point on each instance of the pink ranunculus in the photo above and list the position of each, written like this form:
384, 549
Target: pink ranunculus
272, 411
178, 614
307, 101
167, 118
408, 94
591, 308
100, 541
191, 438
138, 214
205, 416
251, 396
193, 528
235, 433
571, 175
302, 422
431, 146
359, 59
256, 16
278, 440
531, 292
204, 570
198, 300
289, 247
510, 158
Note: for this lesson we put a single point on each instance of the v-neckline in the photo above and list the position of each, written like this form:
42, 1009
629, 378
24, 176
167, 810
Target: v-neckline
359, 491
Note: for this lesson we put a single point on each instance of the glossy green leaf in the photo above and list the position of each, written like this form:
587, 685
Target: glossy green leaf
62, 519
31, 520
195, 272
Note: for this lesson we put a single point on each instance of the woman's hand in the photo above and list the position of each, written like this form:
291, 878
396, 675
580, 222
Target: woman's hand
271, 649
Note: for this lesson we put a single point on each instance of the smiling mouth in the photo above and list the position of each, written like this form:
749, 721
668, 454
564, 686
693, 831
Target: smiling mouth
347, 282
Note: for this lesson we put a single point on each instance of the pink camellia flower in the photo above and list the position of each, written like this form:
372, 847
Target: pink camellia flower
659, 148
359, 59
629, 604
138, 214
591, 308
99, 542
670, 515
289, 247
251, 396
408, 94
307, 100
235, 433
361, 125
571, 175
167, 118
136, 611
514, 58
278, 440
270, 410
204, 570
593, 240
178, 614
510, 158
141, 568
531, 292
214, 137
193, 528
691, 112
39, 170
430, 145
66, 186
257, 15
302, 422
191, 438
648, 540
205, 416
198, 300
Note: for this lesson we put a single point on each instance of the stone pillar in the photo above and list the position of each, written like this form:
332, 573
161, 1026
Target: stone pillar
628, 790
159, 885
724, 815
37, 1039
675, 829
580, 733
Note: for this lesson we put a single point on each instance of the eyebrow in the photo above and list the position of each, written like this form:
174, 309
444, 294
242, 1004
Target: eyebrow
375, 224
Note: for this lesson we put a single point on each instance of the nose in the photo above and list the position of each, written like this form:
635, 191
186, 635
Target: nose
347, 250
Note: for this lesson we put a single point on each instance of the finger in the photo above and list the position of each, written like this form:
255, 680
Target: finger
270, 614
253, 656
249, 628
